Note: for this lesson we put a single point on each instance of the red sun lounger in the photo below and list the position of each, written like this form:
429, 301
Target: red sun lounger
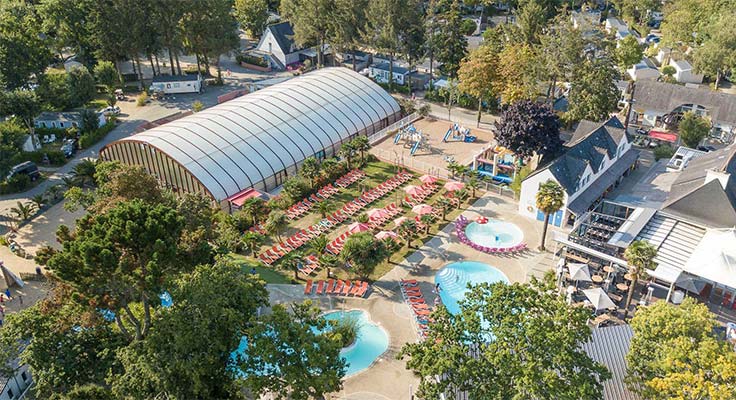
308, 287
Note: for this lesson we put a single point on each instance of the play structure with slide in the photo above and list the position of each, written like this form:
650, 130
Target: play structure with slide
412, 138
499, 163
459, 133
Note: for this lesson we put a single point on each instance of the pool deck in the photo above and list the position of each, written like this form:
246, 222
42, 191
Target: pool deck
388, 378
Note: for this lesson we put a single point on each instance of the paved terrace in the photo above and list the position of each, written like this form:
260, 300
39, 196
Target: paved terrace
389, 378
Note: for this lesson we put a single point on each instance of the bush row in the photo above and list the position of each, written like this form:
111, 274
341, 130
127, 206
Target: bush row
90, 138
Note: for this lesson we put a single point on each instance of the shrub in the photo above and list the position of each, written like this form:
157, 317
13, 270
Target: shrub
663, 151
59, 132
43, 254
142, 99
468, 26
197, 106
396, 88
90, 138
81, 86
296, 188
16, 184
345, 331
252, 60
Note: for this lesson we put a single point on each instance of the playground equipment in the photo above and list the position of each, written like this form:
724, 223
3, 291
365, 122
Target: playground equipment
412, 138
458, 133
502, 168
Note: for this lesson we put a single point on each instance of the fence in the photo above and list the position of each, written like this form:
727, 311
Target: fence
376, 137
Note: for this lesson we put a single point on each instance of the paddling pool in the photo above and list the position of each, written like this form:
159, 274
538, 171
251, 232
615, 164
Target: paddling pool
454, 279
372, 341
494, 233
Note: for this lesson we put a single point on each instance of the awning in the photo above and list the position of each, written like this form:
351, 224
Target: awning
666, 136
582, 202
628, 231
665, 272
561, 238
715, 257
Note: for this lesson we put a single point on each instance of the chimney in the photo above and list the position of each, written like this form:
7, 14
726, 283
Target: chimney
721, 176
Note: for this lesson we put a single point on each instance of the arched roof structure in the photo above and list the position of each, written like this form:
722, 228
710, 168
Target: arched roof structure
241, 143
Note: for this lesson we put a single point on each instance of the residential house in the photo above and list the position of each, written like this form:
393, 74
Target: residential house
586, 21
171, 84
654, 101
596, 158
663, 55
682, 158
63, 120
684, 72
15, 387
644, 70
278, 43
617, 28
380, 72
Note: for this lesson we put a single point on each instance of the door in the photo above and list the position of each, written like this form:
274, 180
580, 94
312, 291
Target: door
554, 219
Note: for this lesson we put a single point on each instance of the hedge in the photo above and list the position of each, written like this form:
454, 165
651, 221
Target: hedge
253, 60
90, 138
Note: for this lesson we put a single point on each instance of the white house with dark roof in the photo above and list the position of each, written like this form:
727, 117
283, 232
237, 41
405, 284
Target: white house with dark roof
643, 70
684, 72
278, 42
597, 157
380, 72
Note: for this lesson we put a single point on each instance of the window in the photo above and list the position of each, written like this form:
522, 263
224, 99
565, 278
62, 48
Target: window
176, 85
280, 177
24, 376
320, 155
11, 394
168, 86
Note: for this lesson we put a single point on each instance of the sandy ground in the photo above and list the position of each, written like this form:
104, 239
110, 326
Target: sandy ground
433, 159
41, 230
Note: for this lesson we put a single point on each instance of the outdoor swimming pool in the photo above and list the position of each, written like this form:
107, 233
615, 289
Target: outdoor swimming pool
371, 343
454, 278
494, 233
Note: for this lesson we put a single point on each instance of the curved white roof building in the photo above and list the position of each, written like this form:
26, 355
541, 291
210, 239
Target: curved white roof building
257, 140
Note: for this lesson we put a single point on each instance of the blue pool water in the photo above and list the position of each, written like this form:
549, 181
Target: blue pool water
495, 233
371, 343
454, 279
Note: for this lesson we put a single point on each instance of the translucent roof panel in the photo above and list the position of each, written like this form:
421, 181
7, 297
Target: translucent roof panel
234, 145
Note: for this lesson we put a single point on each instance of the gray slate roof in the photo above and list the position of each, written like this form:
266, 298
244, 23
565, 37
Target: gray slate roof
584, 200
665, 97
588, 145
175, 78
58, 116
609, 347
706, 203
384, 66
283, 32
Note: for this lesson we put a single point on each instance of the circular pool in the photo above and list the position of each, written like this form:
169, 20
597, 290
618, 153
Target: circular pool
494, 233
372, 340
454, 279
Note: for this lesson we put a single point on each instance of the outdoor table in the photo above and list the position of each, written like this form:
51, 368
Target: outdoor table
622, 287
596, 278
609, 269
628, 277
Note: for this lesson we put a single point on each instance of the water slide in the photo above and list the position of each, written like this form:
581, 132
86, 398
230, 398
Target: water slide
415, 147
397, 138
447, 135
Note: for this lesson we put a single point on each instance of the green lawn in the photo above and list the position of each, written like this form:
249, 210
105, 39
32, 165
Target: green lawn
268, 274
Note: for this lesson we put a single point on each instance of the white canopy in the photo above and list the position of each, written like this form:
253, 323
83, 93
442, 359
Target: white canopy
599, 298
715, 257
579, 272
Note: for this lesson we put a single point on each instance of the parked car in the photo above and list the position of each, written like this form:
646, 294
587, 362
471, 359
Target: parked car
111, 110
119, 94
69, 147
652, 38
706, 148
25, 168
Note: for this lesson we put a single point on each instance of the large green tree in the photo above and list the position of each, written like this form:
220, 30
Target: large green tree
693, 129
209, 30
68, 26
628, 53
477, 75
311, 23
23, 49
252, 15
347, 22
451, 42
124, 257
187, 354
675, 355
639, 256
81, 86
288, 357
364, 252
529, 129
560, 52
508, 342
24, 105
593, 91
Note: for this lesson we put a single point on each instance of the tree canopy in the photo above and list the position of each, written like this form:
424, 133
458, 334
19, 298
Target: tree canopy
693, 129
23, 50
364, 252
508, 342
593, 91
674, 354
528, 128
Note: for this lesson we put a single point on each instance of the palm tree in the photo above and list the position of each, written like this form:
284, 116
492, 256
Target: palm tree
452, 168
38, 201
347, 152
54, 191
329, 167
408, 231
292, 261
391, 246
276, 223
362, 218
325, 207
329, 262
69, 181
462, 170
318, 244
364, 252
361, 145
473, 183
23, 211
444, 204
550, 198
253, 208
461, 195
639, 255
426, 219
252, 240
310, 170
84, 172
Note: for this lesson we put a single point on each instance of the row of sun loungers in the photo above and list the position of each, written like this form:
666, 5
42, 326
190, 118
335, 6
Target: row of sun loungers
414, 297
350, 178
391, 211
293, 242
311, 265
460, 225
418, 198
303, 207
337, 287
376, 193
